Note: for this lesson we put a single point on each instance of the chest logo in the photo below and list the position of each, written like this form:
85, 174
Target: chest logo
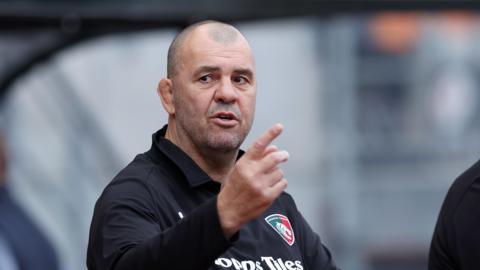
282, 226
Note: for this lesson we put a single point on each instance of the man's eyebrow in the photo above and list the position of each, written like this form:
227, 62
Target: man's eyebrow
203, 69
244, 71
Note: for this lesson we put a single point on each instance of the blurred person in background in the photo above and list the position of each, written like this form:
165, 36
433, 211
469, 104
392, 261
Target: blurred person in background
195, 200
456, 239
22, 245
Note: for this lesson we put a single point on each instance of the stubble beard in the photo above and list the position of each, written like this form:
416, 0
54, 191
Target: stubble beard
224, 141
213, 139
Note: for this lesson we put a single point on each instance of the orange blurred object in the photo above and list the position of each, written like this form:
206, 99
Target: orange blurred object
395, 32
458, 23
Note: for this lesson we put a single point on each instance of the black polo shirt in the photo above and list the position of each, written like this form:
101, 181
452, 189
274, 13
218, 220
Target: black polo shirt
456, 239
160, 213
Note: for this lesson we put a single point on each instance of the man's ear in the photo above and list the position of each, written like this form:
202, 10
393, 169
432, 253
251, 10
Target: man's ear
165, 92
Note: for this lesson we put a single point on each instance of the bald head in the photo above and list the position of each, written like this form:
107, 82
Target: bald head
217, 31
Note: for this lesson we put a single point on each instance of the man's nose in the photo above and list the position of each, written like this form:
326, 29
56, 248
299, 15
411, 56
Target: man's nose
226, 92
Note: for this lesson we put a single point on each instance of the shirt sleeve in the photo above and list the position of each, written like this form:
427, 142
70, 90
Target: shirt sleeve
314, 253
126, 234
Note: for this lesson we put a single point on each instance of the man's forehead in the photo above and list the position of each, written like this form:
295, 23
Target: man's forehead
223, 59
206, 43
211, 34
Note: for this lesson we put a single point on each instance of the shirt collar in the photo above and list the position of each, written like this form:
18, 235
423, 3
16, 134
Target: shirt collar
194, 174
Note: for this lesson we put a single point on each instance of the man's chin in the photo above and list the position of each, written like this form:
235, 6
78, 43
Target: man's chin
225, 143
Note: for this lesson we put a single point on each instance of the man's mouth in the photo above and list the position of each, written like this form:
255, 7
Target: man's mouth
225, 119
225, 116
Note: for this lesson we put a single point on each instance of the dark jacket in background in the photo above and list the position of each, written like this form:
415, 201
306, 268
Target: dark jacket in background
31, 249
456, 240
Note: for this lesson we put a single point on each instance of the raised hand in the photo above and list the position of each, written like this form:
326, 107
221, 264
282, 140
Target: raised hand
254, 183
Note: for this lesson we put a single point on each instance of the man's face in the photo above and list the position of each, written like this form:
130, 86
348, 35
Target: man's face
214, 92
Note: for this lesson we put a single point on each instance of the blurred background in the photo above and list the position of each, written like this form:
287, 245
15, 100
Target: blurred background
380, 101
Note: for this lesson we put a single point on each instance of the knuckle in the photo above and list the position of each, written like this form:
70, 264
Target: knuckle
280, 174
254, 187
272, 148
265, 197
257, 145
243, 171
265, 193
284, 183
259, 189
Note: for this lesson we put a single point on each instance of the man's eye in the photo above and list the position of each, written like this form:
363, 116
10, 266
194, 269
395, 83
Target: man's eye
240, 80
205, 78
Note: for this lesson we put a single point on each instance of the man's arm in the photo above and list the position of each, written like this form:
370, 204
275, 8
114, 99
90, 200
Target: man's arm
127, 235
132, 238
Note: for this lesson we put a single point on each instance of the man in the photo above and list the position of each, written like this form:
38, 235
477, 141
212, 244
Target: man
456, 239
194, 200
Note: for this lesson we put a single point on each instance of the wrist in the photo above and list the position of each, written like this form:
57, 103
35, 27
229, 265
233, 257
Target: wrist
227, 219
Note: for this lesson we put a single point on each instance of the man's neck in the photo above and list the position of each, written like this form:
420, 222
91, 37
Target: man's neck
215, 164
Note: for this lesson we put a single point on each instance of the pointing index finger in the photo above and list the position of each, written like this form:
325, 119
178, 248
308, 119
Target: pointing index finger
259, 146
